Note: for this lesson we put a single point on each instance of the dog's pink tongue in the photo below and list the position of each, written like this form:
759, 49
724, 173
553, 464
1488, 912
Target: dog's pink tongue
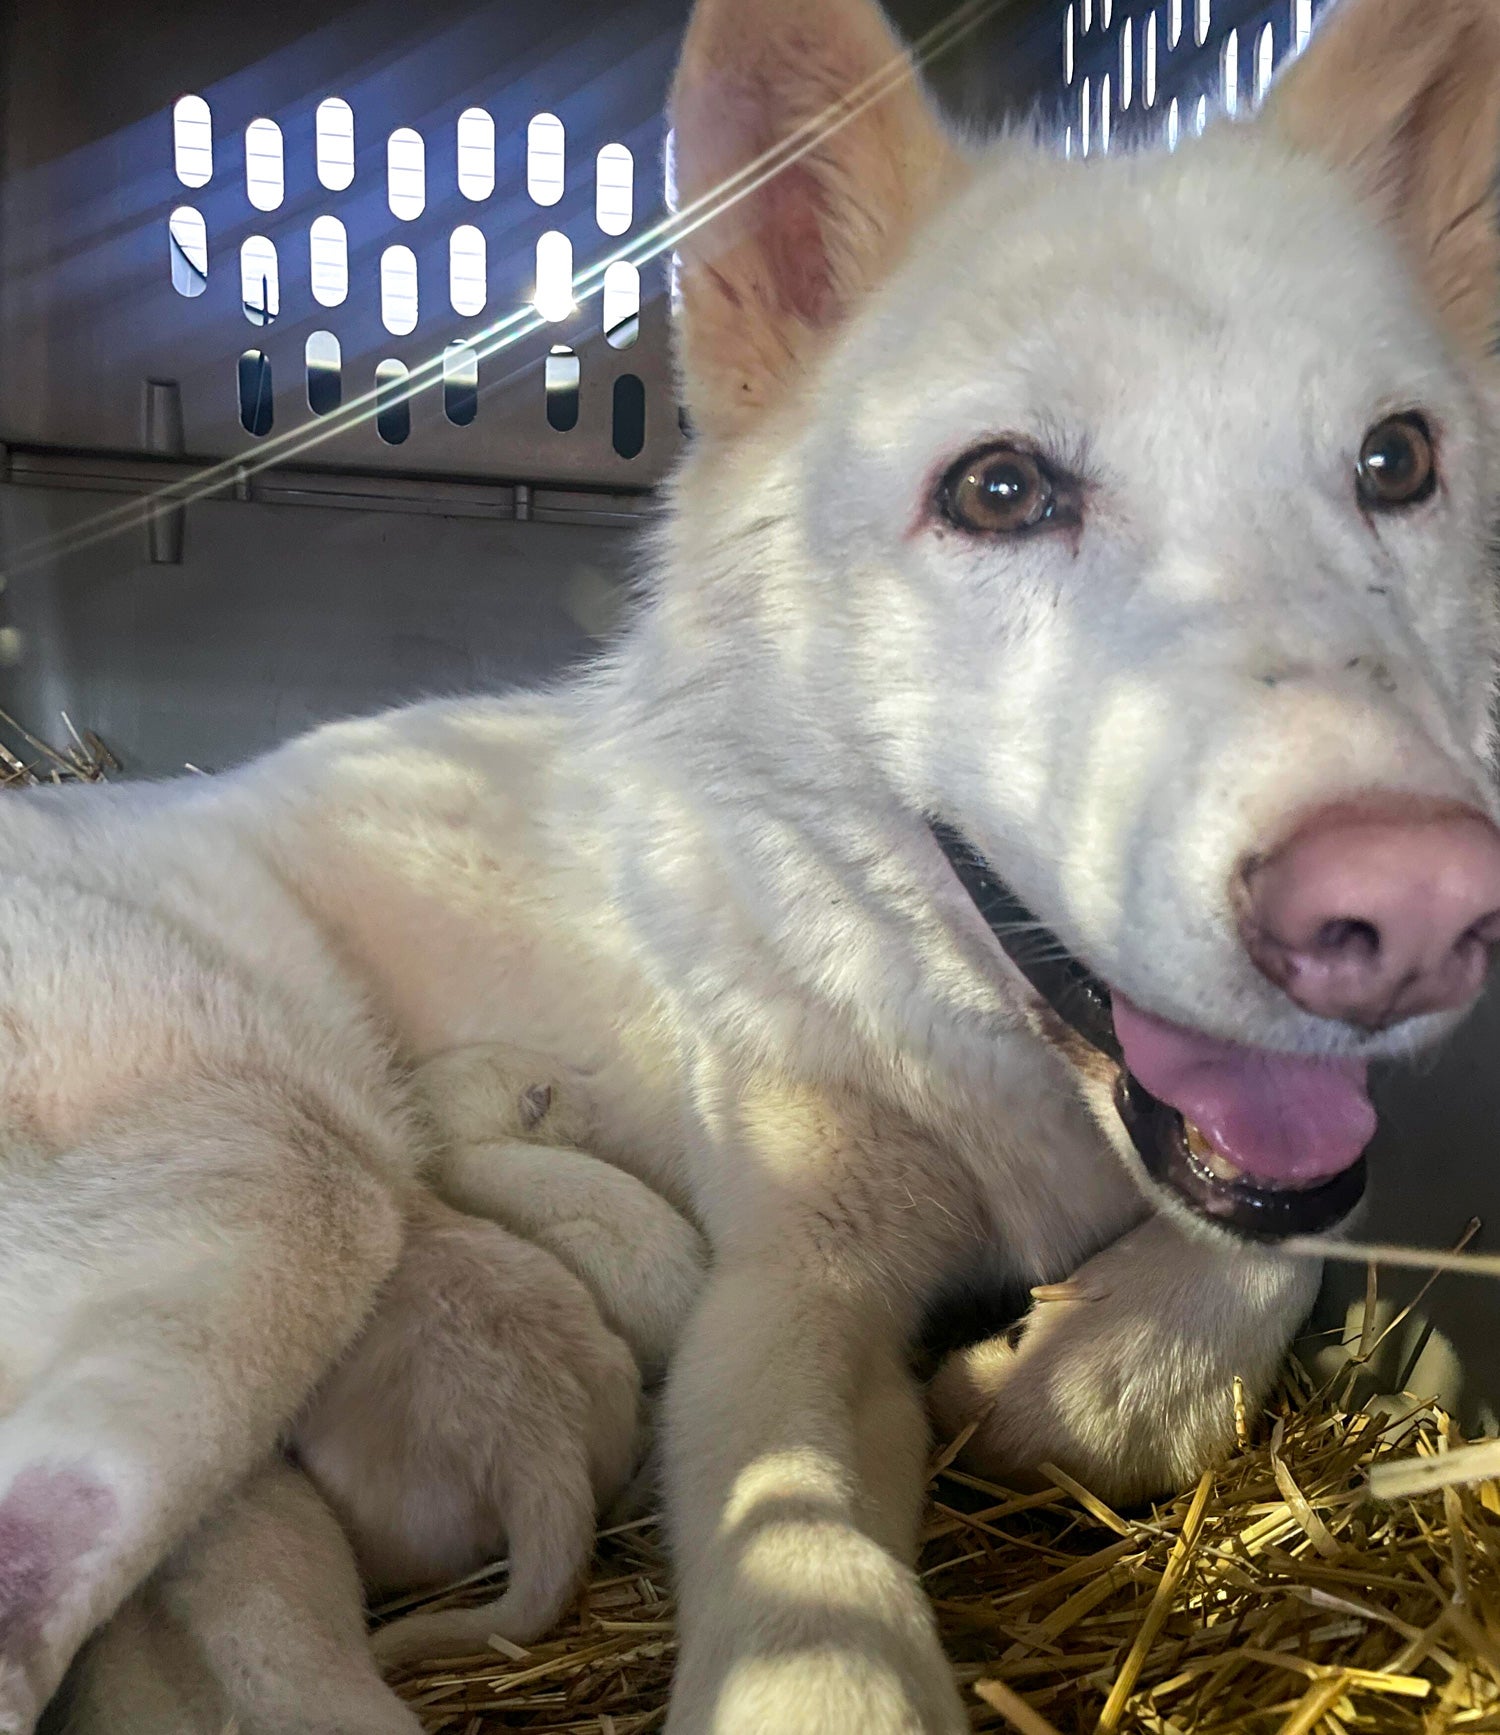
1280, 1117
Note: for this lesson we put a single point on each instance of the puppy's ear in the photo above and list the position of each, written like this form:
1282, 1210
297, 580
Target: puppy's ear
1405, 95
806, 154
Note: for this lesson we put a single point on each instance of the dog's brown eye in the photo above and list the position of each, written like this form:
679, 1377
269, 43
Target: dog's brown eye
999, 491
1397, 465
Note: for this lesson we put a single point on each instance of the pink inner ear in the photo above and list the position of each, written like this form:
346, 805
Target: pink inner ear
790, 222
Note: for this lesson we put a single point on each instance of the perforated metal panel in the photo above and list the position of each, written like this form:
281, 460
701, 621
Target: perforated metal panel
1160, 70
114, 337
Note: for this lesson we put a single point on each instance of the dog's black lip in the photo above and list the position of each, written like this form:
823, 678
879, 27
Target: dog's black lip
1156, 1129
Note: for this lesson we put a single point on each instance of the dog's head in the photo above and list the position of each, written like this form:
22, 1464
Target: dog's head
1134, 516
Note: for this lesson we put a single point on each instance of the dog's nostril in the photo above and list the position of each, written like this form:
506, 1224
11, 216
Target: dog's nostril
1348, 937
1486, 932
1378, 910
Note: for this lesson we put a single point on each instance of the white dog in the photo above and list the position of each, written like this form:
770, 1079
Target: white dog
1099, 545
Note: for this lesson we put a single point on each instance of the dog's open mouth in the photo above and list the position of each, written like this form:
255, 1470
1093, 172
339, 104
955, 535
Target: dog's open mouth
1267, 1145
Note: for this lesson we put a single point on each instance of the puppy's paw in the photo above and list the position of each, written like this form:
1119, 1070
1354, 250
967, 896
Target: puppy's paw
491, 1091
642, 1261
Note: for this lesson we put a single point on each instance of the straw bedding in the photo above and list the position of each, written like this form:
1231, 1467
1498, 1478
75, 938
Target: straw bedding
1278, 1597
30, 761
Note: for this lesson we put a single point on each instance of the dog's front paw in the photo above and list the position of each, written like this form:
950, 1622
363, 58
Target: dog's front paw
821, 1692
1086, 1392
815, 1631
1124, 1375
808, 1696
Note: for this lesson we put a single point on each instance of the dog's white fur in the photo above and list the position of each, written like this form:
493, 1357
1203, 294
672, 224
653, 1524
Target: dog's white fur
698, 885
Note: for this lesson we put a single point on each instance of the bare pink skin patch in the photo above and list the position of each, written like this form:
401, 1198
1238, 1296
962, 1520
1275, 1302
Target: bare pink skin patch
50, 1520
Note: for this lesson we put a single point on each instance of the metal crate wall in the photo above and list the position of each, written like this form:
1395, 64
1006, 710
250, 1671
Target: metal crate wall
113, 338
1159, 71
323, 566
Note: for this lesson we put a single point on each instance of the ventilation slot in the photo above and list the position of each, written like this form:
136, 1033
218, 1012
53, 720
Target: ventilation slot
328, 261
669, 197
562, 376
1174, 23
466, 270
628, 424
187, 242
1204, 16
545, 159
325, 363
476, 154
192, 141
392, 406
1127, 63
255, 392
1068, 46
1173, 125
265, 176
1301, 28
553, 298
1230, 72
614, 189
460, 384
621, 304
335, 143
260, 282
1265, 62
398, 291
405, 174
1148, 70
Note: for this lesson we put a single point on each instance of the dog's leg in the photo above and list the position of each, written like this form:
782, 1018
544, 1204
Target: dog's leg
191, 1274
1125, 1378
795, 1438
255, 1623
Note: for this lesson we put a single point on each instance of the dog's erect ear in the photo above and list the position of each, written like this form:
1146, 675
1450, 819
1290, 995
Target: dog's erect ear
1406, 95
775, 265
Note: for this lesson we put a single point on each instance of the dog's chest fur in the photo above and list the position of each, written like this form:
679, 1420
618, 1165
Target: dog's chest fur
501, 873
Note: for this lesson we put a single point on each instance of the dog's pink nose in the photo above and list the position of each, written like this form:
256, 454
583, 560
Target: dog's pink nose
1377, 912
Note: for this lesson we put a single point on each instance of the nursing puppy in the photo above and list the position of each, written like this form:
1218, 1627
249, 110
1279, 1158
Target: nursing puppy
486, 1410
1100, 547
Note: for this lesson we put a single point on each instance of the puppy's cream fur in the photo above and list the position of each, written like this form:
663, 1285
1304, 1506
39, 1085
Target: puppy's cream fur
699, 880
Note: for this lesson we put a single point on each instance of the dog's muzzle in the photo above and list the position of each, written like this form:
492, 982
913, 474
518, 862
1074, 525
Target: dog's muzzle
1175, 1154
